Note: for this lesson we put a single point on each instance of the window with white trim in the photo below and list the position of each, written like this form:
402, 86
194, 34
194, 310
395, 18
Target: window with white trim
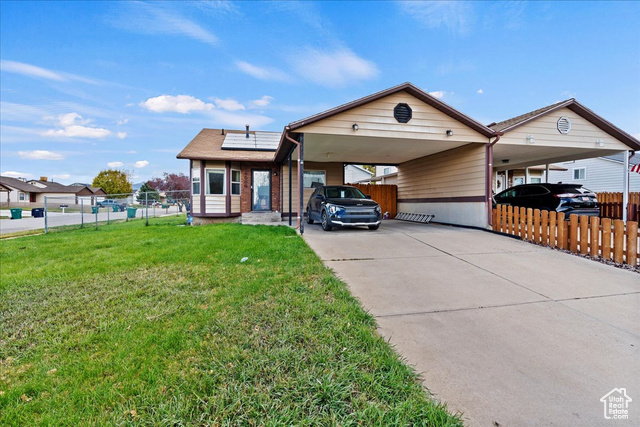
314, 177
21, 196
235, 182
215, 180
580, 173
195, 183
536, 180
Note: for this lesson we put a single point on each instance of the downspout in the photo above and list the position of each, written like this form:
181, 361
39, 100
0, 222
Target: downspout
297, 144
625, 187
489, 178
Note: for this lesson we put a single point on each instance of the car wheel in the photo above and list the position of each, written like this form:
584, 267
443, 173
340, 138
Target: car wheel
309, 219
326, 224
374, 227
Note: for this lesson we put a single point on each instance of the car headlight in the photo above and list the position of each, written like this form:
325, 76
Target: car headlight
377, 209
333, 208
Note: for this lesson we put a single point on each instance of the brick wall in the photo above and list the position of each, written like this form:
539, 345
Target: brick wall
245, 171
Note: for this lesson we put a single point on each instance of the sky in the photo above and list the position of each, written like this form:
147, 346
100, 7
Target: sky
88, 86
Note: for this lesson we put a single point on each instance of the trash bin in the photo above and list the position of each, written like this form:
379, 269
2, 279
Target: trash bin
37, 213
16, 213
131, 212
116, 208
122, 208
94, 209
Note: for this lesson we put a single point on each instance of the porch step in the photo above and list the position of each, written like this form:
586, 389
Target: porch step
268, 218
414, 217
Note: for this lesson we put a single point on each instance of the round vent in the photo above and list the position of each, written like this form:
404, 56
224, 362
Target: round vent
402, 113
564, 125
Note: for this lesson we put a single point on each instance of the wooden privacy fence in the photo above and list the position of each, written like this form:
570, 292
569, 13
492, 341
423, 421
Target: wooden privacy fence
611, 205
593, 236
385, 194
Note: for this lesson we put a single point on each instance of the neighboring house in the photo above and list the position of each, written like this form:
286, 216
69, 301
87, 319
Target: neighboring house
355, 173
531, 175
446, 160
23, 192
385, 175
599, 174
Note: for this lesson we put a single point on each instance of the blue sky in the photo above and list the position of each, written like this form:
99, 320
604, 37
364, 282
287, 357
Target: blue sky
86, 86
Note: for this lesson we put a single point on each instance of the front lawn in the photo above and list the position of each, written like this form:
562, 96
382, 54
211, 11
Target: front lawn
165, 325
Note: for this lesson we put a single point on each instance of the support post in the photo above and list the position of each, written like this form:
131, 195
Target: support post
46, 216
546, 173
625, 187
527, 176
290, 195
301, 181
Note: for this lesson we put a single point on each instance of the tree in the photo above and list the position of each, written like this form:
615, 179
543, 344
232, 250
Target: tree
370, 168
112, 181
176, 187
147, 193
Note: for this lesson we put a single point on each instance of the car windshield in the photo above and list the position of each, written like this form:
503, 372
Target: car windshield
343, 193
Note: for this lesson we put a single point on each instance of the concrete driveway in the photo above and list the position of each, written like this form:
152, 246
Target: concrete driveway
506, 332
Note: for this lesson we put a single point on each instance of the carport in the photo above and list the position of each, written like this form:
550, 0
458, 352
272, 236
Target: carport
445, 159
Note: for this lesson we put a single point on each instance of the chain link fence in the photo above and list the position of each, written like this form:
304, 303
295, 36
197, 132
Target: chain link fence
71, 212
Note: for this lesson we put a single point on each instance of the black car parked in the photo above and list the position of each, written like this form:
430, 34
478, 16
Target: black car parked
567, 198
342, 205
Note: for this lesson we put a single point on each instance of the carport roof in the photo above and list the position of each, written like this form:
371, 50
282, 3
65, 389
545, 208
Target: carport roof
573, 105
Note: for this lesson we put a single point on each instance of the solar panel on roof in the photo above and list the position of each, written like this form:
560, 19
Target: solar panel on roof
259, 140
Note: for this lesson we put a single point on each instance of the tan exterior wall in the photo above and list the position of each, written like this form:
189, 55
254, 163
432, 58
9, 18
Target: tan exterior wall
333, 174
215, 204
545, 131
195, 208
376, 119
454, 173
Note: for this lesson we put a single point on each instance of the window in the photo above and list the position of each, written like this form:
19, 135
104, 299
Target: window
21, 197
195, 183
386, 171
314, 177
536, 180
235, 183
580, 173
215, 181
518, 181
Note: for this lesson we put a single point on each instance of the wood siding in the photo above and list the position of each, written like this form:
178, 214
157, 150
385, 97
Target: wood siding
215, 204
333, 174
235, 204
376, 120
195, 208
545, 131
600, 175
460, 172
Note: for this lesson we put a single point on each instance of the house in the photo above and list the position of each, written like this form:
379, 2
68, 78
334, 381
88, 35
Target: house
444, 158
355, 173
598, 174
33, 192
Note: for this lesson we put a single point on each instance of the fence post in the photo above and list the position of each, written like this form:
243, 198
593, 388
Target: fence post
553, 229
545, 229
496, 226
523, 222
606, 238
536, 225
573, 233
632, 243
595, 236
618, 241
510, 219
96, 214
516, 222
46, 216
81, 213
562, 231
584, 234
146, 207
529, 224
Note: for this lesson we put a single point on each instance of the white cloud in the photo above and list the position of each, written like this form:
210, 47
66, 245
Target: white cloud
115, 164
229, 104
480, 92
15, 174
40, 155
456, 16
121, 135
238, 120
159, 18
333, 69
73, 125
261, 103
141, 164
179, 104
263, 73
40, 73
438, 94
61, 176
122, 122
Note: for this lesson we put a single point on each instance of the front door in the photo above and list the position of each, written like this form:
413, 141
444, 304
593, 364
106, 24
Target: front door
261, 190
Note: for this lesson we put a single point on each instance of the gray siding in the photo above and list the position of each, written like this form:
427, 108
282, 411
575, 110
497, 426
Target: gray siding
600, 175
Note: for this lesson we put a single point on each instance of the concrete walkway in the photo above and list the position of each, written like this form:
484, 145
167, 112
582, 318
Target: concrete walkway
506, 332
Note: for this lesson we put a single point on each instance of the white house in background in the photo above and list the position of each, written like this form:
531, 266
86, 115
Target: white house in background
385, 175
356, 173
34, 191
599, 173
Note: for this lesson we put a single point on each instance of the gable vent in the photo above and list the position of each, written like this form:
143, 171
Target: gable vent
402, 113
564, 125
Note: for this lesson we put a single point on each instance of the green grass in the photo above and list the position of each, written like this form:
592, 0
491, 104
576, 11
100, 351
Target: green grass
164, 325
